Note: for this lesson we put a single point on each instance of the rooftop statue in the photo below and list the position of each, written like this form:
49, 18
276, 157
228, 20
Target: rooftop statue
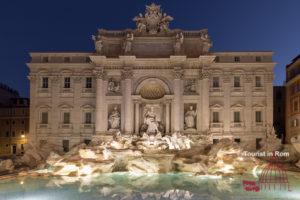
154, 21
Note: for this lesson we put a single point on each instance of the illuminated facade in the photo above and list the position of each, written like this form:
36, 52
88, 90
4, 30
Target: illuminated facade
150, 80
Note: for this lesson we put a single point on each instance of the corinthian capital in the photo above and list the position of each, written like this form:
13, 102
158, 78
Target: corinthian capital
127, 74
178, 73
99, 73
204, 74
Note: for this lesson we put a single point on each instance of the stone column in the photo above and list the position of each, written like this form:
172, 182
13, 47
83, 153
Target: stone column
100, 101
204, 76
137, 117
167, 117
248, 119
34, 119
226, 113
127, 76
178, 75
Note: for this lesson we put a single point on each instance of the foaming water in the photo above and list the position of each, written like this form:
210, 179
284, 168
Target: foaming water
125, 186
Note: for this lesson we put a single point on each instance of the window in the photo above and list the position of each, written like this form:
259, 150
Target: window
295, 106
236, 59
7, 133
258, 116
45, 59
88, 82
258, 59
216, 82
215, 117
44, 118
87, 141
217, 59
45, 82
88, 118
237, 117
23, 122
237, 81
215, 141
66, 118
13, 134
67, 83
65, 145
67, 59
237, 140
257, 81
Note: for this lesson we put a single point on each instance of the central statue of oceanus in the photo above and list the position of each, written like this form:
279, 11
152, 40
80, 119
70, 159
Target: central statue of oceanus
151, 125
154, 21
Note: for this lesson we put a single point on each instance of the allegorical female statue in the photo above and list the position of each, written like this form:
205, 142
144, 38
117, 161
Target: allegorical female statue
128, 43
150, 120
114, 119
190, 118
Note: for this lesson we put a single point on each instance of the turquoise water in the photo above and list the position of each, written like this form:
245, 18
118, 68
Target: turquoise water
125, 186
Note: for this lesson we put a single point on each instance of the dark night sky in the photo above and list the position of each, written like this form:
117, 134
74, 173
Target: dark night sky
62, 25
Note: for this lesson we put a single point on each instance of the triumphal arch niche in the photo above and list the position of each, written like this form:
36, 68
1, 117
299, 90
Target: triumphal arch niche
156, 77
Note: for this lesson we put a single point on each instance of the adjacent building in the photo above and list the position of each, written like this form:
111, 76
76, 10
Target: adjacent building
149, 80
14, 126
292, 98
279, 111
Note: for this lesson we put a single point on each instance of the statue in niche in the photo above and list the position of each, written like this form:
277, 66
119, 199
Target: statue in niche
190, 86
128, 43
113, 86
190, 118
151, 125
98, 44
114, 119
178, 43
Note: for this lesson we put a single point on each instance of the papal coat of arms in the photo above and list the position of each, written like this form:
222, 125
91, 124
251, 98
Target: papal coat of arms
154, 21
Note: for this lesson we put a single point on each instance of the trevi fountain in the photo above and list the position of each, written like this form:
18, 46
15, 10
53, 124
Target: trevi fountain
168, 152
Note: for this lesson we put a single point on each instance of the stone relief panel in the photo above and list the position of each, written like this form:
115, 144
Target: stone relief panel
113, 86
190, 116
190, 86
114, 117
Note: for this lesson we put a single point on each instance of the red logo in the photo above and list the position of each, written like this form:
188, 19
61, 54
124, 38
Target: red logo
250, 186
273, 177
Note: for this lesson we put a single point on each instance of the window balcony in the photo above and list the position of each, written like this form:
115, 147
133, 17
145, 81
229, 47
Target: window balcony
87, 126
237, 124
237, 89
259, 124
88, 90
43, 126
44, 90
65, 126
216, 125
67, 90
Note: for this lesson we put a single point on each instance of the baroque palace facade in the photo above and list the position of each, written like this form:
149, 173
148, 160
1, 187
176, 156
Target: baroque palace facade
147, 81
